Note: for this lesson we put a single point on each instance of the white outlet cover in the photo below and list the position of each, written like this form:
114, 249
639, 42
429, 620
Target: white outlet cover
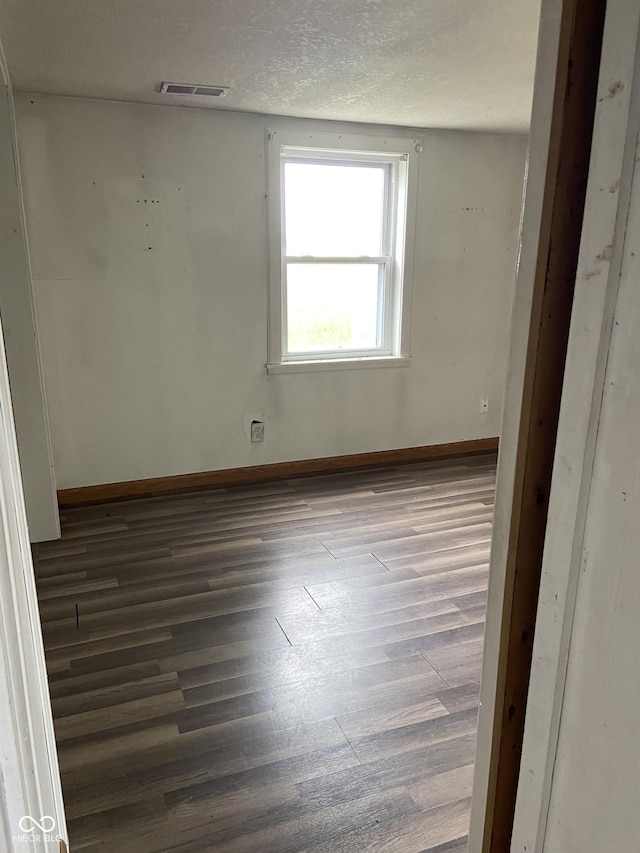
249, 418
257, 431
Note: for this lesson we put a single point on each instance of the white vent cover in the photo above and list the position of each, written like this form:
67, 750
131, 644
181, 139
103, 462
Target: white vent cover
192, 89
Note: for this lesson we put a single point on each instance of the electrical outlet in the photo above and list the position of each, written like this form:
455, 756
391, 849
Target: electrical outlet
484, 405
257, 431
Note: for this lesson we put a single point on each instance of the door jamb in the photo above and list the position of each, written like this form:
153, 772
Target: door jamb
558, 163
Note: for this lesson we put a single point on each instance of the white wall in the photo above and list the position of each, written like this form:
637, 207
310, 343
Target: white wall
29, 774
23, 357
596, 786
147, 233
595, 789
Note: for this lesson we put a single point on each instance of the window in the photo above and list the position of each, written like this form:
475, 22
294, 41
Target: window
341, 211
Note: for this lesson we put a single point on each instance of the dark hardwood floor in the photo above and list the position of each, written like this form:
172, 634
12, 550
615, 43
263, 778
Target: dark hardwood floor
285, 667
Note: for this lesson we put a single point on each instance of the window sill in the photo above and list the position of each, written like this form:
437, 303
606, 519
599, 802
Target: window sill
338, 364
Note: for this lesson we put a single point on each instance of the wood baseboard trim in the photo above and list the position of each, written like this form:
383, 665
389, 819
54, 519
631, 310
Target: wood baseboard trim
131, 489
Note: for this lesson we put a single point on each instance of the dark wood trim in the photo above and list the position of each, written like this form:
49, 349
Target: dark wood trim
563, 208
127, 490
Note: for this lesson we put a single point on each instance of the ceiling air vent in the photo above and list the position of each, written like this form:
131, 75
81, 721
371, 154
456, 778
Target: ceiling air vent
191, 89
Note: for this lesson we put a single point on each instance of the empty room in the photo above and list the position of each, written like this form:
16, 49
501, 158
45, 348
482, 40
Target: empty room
262, 264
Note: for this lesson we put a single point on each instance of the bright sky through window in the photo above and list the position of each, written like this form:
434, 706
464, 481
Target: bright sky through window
334, 211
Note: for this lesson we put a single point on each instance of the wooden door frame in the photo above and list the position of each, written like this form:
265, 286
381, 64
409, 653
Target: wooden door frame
615, 137
546, 448
30, 779
30, 787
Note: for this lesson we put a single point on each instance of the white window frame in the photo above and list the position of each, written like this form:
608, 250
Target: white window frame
400, 156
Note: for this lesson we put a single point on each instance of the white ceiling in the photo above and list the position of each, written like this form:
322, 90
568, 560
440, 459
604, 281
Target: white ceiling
464, 64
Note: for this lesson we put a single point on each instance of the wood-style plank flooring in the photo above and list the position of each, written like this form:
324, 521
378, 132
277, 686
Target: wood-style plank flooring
285, 667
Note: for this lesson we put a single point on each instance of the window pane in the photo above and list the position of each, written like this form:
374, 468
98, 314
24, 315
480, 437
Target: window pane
333, 210
333, 307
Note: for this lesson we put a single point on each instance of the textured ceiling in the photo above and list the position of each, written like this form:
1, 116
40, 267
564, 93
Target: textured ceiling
464, 64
